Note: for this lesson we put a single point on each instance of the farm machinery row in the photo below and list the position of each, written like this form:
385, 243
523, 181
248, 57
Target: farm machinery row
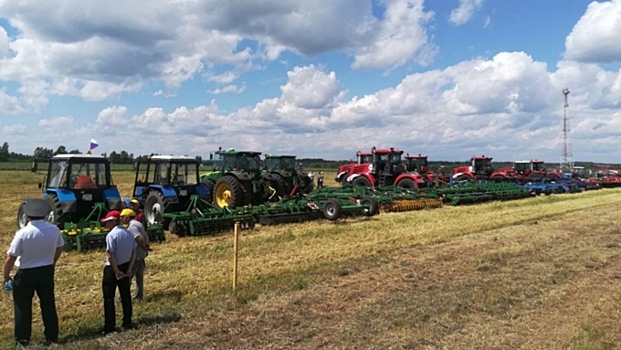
176, 197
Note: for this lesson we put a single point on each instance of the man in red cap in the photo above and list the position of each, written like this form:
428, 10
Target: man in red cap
120, 257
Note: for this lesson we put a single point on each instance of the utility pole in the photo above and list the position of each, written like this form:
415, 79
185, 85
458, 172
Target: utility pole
567, 164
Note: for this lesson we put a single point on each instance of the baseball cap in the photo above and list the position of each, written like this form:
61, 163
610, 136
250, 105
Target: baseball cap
128, 212
135, 201
112, 215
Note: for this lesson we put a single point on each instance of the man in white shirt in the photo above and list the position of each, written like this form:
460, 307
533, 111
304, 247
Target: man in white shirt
35, 249
120, 257
137, 229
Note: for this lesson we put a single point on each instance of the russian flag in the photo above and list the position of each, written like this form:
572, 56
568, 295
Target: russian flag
94, 145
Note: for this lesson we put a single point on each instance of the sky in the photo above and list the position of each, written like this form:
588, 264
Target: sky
319, 79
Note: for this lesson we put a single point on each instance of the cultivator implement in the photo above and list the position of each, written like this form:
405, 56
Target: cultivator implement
479, 193
388, 199
89, 234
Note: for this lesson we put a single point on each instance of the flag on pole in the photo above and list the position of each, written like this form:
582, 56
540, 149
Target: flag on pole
94, 145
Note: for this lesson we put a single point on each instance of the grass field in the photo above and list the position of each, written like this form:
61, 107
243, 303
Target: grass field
540, 273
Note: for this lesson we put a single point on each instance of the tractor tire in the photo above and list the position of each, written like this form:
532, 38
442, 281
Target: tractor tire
281, 186
361, 181
306, 184
210, 187
21, 217
373, 206
229, 192
154, 204
332, 209
56, 216
408, 184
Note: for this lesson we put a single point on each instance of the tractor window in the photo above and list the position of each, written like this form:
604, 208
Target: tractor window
288, 164
521, 168
185, 174
422, 162
57, 174
228, 162
395, 158
363, 159
88, 176
272, 164
249, 163
217, 162
537, 166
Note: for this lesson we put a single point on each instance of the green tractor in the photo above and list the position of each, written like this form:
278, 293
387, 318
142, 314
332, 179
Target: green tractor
284, 177
237, 180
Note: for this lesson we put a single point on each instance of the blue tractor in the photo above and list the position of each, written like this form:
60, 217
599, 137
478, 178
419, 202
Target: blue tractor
77, 187
165, 184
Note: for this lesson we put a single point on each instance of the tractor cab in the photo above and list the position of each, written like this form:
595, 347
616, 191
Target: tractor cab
482, 166
165, 184
236, 178
387, 161
416, 163
281, 164
74, 185
522, 167
283, 176
364, 157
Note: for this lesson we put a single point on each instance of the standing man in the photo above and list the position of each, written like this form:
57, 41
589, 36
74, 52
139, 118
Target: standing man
35, 249
135, 206
142, 250
120, 256
320, 180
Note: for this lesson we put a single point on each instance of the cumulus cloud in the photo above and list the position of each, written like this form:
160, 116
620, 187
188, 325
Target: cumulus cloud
15, 129
509, 105
233, 89
56, 123
596, 36
400, 38
465, 11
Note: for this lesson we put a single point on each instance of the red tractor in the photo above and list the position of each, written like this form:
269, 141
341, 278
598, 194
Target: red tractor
345, 170
386, 169
522, 171
480, 169
418, 163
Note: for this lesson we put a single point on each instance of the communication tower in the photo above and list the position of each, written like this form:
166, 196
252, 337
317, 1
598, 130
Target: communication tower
567, 164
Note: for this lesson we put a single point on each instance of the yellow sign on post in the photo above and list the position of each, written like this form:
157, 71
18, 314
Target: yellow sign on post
235, 241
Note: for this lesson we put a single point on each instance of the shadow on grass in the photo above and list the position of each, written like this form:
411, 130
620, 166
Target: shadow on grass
90, 333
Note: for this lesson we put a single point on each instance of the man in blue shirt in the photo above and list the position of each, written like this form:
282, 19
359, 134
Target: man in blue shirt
120, 257
35, 249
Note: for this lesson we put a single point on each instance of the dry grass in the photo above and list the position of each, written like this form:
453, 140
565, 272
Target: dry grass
493, 276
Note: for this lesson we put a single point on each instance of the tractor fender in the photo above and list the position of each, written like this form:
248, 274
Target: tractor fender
340, 175
201, 190
112, 197
464, 173
353, 177
66, 198
239, 176
415, 177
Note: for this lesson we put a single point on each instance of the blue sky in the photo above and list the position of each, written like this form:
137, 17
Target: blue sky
450, 78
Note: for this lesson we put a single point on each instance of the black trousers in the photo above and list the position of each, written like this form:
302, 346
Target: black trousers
109, 286
27, 282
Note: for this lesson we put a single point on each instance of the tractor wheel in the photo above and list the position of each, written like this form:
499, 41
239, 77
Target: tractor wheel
361, 181
21, 217
228, 192
332, 209
373, 206
210, 187
154, 204
408, 184
56, 216
279, 184
306, 184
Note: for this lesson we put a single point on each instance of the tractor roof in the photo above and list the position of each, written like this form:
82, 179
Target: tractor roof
536, 161
415, 156
171, 158
481, 157
79, 157
386, 150
234, 152
278, 156
522, 162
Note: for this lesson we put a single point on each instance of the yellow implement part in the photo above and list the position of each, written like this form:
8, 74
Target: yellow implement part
411, 204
